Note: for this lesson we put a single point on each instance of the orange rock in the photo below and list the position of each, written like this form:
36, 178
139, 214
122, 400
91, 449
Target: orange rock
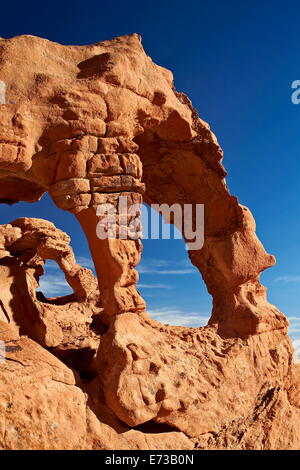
90, 124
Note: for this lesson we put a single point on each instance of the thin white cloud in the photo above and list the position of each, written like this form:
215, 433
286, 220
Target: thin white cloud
294, 332
54, 285
287, 279
296, 344
85, 261
162, 266
154, 286
156, 262
50, 264
146, 270
294, 328
178, 317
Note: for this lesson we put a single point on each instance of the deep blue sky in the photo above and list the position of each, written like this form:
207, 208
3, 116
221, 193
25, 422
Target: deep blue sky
236, 61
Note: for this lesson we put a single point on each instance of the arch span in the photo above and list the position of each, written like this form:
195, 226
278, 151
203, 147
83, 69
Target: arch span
106, 121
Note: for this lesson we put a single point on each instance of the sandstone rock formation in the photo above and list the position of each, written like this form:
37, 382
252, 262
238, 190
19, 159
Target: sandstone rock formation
89, 124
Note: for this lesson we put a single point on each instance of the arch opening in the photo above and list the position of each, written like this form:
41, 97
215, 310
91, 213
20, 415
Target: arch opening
172, 287
53, 287
46, 295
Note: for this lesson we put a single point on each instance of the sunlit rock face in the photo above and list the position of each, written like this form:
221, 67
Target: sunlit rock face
91, 370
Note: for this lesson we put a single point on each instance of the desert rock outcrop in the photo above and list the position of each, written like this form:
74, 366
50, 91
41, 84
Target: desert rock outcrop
89, 124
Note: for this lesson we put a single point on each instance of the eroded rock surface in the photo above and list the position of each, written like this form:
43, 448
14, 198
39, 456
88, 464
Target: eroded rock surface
91, 370
26, 245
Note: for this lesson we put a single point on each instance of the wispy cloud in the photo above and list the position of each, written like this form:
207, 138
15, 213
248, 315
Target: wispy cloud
145, 270
294, 332
50, 264
162, 266
154, 286
54, 285
294, 321
287, 279
86, 262
296, 344
178, 317
156, 262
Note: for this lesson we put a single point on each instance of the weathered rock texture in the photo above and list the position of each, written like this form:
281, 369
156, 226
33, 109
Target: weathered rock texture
92, 370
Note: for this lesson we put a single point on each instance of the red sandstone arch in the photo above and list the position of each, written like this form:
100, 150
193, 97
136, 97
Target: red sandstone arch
91, 123
84, 123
